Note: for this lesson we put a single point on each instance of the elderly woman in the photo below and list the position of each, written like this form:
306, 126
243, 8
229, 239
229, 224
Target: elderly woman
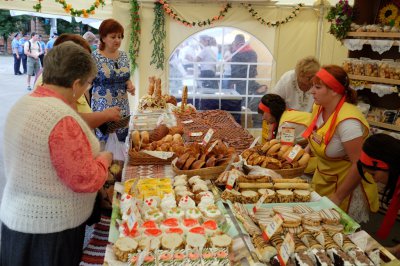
294, 86
112, 82
53, 166
335, 135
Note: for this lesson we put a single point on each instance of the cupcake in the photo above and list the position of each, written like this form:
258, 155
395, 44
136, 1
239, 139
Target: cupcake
168, 202
153, 215
193, 213
123, 247
186, 203
212, 212
175, 212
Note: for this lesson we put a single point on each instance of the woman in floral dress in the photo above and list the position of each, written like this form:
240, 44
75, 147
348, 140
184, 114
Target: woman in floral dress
112, 82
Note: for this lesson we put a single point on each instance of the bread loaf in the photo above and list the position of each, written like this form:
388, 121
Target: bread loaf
135, 135
255, 185
304, 159
292, 186
182, 160
189, 163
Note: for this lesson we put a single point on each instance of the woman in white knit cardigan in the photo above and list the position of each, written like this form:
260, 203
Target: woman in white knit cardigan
53, 166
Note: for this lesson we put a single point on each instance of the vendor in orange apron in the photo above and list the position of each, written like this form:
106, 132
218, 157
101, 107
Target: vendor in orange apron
337, 176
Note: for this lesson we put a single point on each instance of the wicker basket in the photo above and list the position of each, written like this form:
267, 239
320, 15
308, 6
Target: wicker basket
205, 173
141, 158
291, 173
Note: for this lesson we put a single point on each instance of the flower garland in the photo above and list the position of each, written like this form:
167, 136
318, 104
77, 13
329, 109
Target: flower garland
158, 39
173, 14
134, 43
340, 16
73, 11
277, 23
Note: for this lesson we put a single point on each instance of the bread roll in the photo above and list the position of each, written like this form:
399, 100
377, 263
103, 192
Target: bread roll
188, 163
211, 161
304, 159
289, 180
182, 160
292, 186
136, 140
266, 147
274, 149
144, 137
168, 138
282, 150
198, 164
255, 185
177, 137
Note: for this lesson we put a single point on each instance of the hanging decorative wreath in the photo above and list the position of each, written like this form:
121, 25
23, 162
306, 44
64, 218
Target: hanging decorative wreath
277, 23
73, 11
340, 16
134, 43
174, 15
388, 14
158, 39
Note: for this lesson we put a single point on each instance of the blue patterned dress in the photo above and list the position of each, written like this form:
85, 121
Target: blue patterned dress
109, 87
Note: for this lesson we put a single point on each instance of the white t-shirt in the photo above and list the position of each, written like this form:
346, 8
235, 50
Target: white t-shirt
346, 130
207, 55
289, 90
35, 48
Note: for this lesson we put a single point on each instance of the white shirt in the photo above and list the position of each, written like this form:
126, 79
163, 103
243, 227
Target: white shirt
35, 48
346, 130
207, 55
289, 90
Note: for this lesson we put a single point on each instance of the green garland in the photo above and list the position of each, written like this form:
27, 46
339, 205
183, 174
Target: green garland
73, 11
159, 34
255, 15
134, 43
340, 16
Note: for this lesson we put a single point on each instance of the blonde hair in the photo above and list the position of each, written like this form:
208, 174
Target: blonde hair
308, 64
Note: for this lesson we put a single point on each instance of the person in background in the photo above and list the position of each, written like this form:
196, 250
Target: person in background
335, 135
294, 86
50, 43
208, 58
91, 39
384, 166
112, 83
42, 49
24, 58
32, 51
44, 213
243, 52
93, 119
274, 112
17, 50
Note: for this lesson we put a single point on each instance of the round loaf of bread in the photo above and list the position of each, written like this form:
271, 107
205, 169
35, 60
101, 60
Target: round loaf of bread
135, 138
159, 132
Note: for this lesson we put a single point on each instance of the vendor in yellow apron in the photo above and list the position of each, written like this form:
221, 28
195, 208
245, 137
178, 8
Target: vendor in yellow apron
331, 172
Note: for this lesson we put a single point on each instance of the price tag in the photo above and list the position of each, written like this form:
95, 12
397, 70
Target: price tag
164, 155
272, 227
260, 201
187, 122
141, 124
196, 134
132, 223
212, 146
287, 136
286, 249
231, 181
254, 142
208, 136
293, 153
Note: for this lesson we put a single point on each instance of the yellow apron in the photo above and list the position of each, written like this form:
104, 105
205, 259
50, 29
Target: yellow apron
331, 172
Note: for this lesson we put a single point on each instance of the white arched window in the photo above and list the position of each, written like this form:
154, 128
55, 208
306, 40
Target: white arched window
224, 68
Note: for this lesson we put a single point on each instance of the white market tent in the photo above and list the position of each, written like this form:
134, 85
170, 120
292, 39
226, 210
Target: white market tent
305, 35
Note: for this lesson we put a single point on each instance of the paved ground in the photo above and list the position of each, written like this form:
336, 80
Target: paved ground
13, 87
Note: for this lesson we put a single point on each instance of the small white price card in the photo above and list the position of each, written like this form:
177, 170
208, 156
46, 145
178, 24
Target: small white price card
272, 227
164, 155
287, 135
212, 146
196, 134
187, 122
259, 202
208, 136
254, 142
230, 182
286, 249
293, 153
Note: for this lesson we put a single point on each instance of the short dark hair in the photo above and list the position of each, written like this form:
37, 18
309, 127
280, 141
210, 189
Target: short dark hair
239, 38
276, 104
66, 63
33, 34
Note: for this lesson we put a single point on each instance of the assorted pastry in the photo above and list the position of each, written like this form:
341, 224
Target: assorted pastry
155, 100
274, 155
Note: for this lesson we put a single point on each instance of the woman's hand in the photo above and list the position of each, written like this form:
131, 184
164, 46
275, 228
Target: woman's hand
106, 155
130, 87
112, 113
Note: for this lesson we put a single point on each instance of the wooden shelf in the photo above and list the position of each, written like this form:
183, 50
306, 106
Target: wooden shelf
375, 79
390, 35
384, 125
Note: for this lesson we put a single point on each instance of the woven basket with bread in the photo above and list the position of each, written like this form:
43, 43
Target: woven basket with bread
288, 161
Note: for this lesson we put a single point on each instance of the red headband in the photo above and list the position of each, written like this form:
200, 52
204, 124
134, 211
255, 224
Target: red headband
264, 108
369, 161
331, 81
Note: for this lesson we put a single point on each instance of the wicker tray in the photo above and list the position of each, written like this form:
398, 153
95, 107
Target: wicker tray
205, 173
141, 158
291, 173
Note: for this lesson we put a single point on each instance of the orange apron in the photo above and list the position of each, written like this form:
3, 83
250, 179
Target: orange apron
331, 172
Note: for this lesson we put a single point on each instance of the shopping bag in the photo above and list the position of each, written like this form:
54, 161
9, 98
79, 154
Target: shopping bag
116, 147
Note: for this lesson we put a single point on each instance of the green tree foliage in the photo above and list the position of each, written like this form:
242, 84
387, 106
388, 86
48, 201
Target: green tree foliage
9, 24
